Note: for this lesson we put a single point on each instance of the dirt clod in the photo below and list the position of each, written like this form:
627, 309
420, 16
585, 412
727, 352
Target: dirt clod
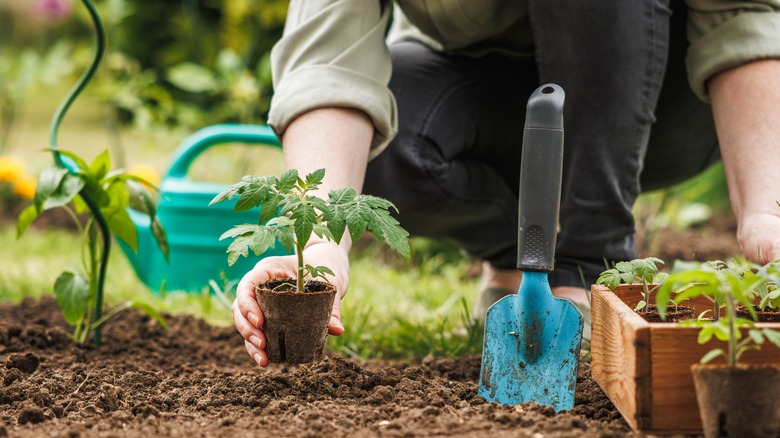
26, 363
31, 415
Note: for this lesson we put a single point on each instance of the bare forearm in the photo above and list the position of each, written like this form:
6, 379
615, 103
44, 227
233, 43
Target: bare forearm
746, 106
337, 139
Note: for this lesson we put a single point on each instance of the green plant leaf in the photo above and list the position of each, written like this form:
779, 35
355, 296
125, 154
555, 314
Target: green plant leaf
151, 311
160, 237
756, 336
192, 77
252, 195
388, 230
314, 179
319, 272
772, 335
640, 305
69, 187
100, 166
645, 269
712, 354
285, 238
609, 278
26, 217
269, 209
305, 217
71, 292
48, 182
287, 180
322, 231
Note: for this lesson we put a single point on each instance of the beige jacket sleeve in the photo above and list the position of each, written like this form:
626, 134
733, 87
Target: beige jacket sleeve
728, 33
333, 54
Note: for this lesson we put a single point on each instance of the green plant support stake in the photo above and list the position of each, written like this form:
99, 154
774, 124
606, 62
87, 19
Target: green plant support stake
100, 38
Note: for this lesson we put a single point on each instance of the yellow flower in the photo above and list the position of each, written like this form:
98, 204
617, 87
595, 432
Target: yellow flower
146, 172
25, 187
11, 169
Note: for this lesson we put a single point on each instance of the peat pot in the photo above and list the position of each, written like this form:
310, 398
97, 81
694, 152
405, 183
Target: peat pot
295, 324
738, 401
645, 367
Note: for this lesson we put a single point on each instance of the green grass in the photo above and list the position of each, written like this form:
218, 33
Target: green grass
394, 308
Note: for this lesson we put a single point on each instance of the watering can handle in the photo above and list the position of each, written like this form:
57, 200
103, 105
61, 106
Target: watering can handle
214, 135
540, 179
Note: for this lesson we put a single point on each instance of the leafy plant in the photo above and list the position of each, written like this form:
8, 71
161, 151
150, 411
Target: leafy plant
289, 215
77, 293
730, 284
642, 271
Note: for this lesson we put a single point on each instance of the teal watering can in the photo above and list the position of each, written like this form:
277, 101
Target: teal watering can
196, 254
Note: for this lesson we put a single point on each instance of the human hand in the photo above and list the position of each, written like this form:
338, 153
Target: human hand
759, 237
247, 315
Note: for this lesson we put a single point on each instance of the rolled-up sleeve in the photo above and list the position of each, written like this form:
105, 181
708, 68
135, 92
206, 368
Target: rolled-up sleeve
727, 33
333, 54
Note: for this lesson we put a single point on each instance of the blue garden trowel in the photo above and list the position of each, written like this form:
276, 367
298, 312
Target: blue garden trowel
532, 339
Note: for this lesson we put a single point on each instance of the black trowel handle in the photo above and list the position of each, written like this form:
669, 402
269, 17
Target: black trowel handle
540, 179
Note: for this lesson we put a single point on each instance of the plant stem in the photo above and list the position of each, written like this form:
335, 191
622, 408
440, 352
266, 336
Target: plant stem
646, 295
299, 253
730, 308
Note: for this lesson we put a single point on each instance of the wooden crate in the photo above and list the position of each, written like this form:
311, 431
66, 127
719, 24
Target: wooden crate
644, 367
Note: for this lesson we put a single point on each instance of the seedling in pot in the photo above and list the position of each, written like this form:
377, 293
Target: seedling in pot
295, 324
290, 215
79, 293
637, 271
735, 399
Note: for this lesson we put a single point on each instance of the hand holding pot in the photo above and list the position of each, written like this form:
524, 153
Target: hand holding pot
247, 315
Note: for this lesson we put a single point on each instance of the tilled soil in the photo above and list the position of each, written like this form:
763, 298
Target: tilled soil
196, 380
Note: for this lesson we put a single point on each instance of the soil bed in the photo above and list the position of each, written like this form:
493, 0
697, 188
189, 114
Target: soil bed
197, 380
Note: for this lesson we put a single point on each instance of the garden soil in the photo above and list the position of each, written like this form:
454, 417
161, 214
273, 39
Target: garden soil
196, 380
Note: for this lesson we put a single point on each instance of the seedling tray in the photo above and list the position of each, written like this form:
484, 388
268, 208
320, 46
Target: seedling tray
645, 368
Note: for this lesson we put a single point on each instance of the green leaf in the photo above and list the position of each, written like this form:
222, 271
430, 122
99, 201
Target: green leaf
160, 237
625, 266
71, 292
712, 354
287, 181
305, 217
285, 238
322, 231
640, 305
646, 268
387, 229
100, 166
239, 230
772, 335
705, 334
252, 195
269, 209
609, 278
48, 182
26, 217
151, 311
192, 77
314, 179
756, 336
69, 187
319, 272
233, 190
239, 247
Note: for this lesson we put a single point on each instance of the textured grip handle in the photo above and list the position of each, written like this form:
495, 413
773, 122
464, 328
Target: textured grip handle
540, 179
214, 135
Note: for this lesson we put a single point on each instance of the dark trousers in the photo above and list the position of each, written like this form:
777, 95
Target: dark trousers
631, 124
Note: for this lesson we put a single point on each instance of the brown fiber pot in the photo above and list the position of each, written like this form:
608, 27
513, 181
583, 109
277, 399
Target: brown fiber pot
295, 324
740, 401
